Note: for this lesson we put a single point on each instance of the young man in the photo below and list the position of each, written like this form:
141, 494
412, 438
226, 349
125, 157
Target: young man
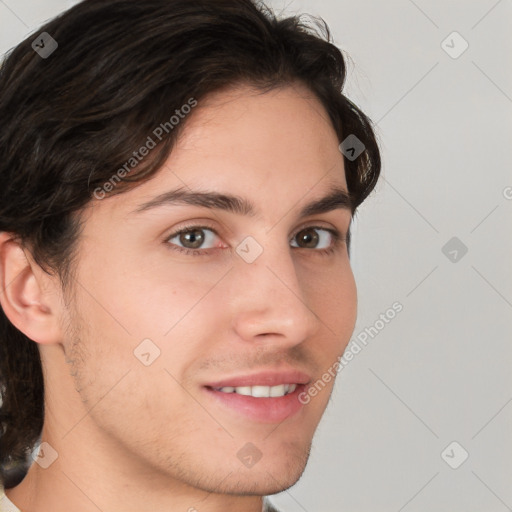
175, 217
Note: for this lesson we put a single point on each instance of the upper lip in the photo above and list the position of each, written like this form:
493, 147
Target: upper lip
263, 378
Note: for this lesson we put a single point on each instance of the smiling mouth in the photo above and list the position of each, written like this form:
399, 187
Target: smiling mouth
262, 404
260, 391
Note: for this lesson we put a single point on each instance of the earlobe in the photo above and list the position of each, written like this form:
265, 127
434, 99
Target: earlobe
23, 298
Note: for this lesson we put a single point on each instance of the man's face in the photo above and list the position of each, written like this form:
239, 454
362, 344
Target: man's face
214, 316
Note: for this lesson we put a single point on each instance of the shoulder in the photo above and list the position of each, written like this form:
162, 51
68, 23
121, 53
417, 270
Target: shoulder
6, 505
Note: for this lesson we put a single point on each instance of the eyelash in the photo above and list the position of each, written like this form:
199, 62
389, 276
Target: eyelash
338, 239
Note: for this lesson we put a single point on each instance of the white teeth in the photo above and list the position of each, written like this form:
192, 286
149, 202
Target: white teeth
278, 390
261, 391
243, 390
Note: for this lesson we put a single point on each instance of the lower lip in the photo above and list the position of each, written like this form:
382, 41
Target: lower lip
265, 410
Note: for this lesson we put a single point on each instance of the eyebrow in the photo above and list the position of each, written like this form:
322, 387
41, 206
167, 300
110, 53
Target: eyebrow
337, 198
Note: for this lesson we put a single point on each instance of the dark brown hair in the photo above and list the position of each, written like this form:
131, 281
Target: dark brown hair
71, 120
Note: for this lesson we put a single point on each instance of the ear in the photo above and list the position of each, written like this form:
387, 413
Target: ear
27, 293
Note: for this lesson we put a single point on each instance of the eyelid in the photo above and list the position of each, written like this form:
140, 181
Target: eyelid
315, 224
204, 224
190, 227
338, 235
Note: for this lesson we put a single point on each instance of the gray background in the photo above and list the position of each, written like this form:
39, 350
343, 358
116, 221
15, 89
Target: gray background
438, 372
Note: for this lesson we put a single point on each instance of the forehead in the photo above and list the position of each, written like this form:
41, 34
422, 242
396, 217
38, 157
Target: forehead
277, 144
287, 125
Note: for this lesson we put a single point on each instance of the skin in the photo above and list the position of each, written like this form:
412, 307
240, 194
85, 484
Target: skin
132, 437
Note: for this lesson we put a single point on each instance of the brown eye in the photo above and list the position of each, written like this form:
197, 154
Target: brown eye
315, 237
192, 239
307, 238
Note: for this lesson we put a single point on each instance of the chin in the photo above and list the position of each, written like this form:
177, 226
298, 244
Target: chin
266, 477
257, 484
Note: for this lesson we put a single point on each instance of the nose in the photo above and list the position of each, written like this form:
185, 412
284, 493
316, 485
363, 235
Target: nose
268, 300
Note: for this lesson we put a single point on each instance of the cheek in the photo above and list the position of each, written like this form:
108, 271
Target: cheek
170, 312
148, 297
333, 297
